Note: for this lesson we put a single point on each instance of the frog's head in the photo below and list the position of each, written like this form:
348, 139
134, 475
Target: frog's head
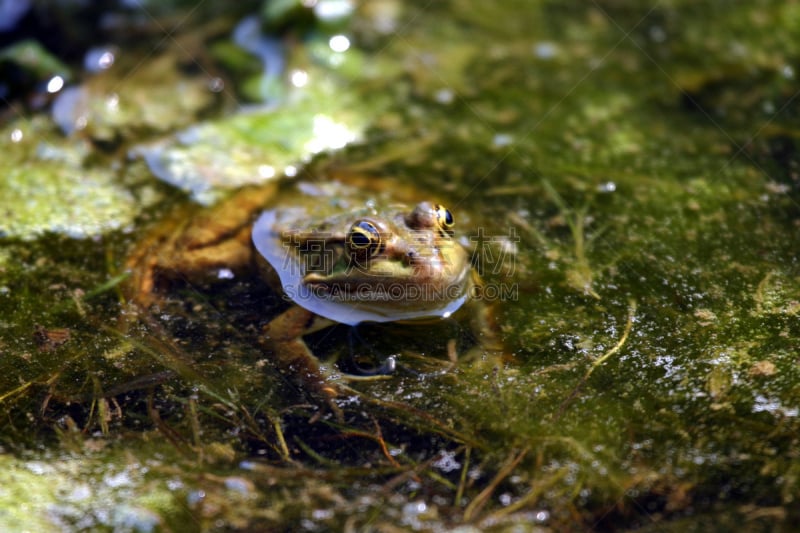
370, 264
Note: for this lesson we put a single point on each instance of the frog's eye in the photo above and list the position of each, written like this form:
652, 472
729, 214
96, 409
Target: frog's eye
444, 219
364, 237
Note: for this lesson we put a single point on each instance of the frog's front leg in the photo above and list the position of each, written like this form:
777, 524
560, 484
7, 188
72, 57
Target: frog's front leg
283, 336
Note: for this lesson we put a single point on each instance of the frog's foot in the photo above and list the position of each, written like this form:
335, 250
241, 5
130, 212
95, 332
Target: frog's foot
283, 336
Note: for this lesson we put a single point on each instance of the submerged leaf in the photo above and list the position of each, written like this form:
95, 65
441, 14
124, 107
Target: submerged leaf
264, 143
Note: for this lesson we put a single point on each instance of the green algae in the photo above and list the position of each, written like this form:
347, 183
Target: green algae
642, 182
145, 99
55, 500
32, 56
47, 186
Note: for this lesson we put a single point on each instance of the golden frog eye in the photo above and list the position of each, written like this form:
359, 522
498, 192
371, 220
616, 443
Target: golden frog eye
364, 237
444, 218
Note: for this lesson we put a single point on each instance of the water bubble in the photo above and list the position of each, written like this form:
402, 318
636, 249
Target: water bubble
299, 78
444, 96
266, 171
225, 273
413, 509
98, 59
447, 462
331, 10
238, 484
322, 514
502, 139
195, 497
216, 85
545, 50
112, 102
55, 84
121, 479
339, 43
174, 484
70, 109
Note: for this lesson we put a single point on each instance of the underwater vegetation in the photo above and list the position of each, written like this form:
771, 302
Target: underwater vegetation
623, 176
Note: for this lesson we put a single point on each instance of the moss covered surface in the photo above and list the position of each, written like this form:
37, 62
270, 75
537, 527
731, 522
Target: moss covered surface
633, 168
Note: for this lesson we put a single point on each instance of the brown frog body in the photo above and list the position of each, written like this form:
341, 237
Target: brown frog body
341, 253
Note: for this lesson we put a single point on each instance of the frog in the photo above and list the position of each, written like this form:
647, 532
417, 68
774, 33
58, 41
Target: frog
339, 252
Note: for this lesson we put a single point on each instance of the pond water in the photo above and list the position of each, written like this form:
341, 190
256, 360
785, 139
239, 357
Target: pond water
623, 175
